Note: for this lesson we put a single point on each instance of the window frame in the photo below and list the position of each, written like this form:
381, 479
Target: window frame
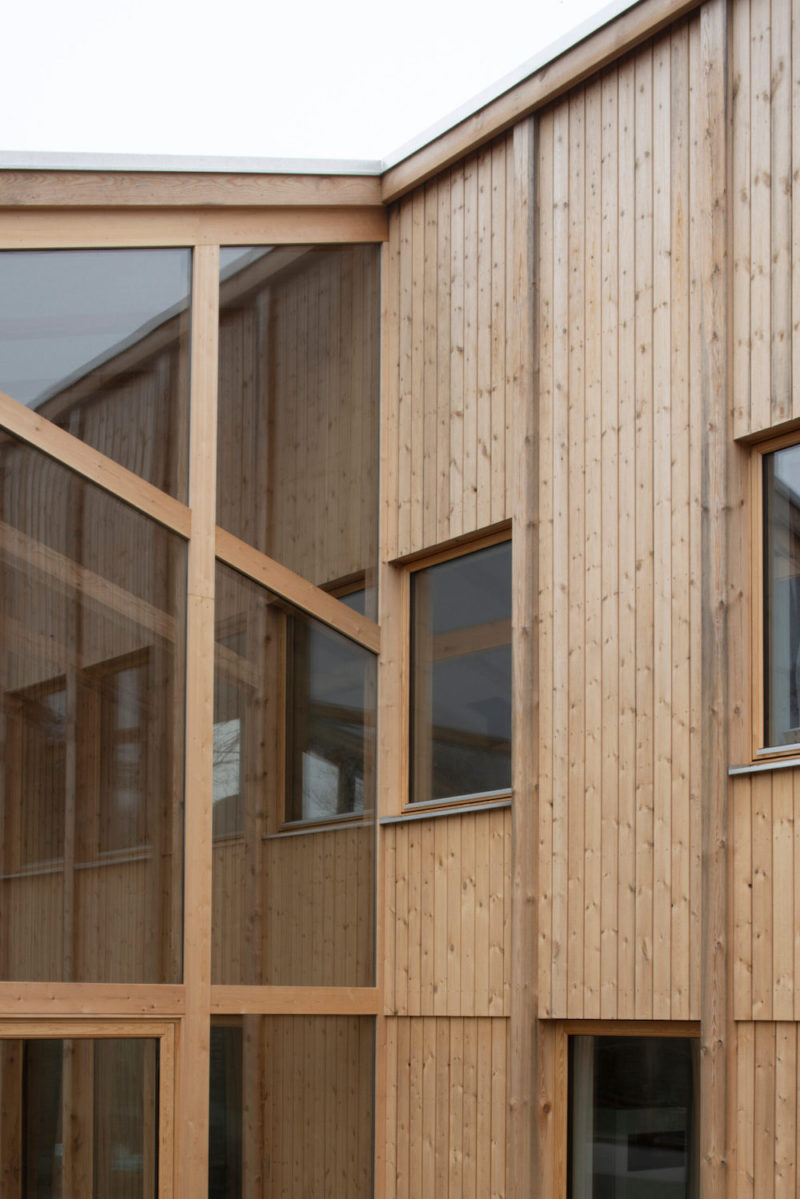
164, 1031
410, 567
556, 1035
762, 751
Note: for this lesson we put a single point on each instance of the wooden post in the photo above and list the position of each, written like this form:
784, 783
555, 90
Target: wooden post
192, 1128
710, 215
523, 1122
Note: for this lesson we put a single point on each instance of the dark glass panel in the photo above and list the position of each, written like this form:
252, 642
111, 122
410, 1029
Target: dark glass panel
461, 675
294, 778
306, 1086
298, 407
98, 342
92, 607
782, 596
632, 1117
104, 1093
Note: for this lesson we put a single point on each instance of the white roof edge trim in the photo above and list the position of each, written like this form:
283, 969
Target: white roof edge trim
179, 163
520, 73
176, 163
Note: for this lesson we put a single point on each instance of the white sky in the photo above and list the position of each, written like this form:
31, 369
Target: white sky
263, 78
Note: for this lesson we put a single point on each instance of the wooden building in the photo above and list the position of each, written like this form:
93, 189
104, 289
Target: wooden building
400, 677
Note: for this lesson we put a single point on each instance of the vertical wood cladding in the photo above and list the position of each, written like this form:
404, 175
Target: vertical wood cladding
448, 413
765, 209
620, 380
765, 812
767, 1130
446, 1108
448, 912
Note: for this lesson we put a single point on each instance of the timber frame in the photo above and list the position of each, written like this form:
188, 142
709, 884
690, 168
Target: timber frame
589, 299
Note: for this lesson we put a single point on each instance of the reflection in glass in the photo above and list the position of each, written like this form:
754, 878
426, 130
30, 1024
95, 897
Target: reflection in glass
80, 1117
298, 407
782, 596
294, 743
305, 1085
461, 675
632, 1117
91, 672
331, 688
98, 341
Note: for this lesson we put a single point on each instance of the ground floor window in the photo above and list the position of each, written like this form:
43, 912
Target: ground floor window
632, 1117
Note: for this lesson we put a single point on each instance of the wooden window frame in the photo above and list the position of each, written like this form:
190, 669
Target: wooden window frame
762, 752
408, 568
162, 1031
556, 1035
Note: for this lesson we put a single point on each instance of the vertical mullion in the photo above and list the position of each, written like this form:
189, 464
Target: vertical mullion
192, 1101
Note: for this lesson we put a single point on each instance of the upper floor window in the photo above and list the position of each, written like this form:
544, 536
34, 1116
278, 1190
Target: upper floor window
461, 676
781, 596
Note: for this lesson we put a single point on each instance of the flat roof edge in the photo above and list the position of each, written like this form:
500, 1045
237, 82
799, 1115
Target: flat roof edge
586, 28
11, 160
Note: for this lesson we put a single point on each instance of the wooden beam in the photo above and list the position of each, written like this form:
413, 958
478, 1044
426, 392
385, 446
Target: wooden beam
43, 1000
164, 189
552, 80
284, 583
32, 229
294, 1001
28, 426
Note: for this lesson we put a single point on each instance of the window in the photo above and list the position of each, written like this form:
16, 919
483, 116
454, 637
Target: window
780, 636
331, 693
632, 1117
461, 676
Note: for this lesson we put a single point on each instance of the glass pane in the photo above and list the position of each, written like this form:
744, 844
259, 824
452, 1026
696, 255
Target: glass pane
294, 785
632, 1116
91, 793
461, 684
98, 342
292, 1096
105, 1093
298, 408
782, 596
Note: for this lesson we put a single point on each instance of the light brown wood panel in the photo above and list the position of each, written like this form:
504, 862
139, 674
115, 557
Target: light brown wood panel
765, 821
620, 505
767, 1088
305, 920
765, 155
446, 1082
447, 883
447, 383
298, 388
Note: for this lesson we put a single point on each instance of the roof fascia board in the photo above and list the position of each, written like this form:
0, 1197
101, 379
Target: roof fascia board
557, 75
40, 187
